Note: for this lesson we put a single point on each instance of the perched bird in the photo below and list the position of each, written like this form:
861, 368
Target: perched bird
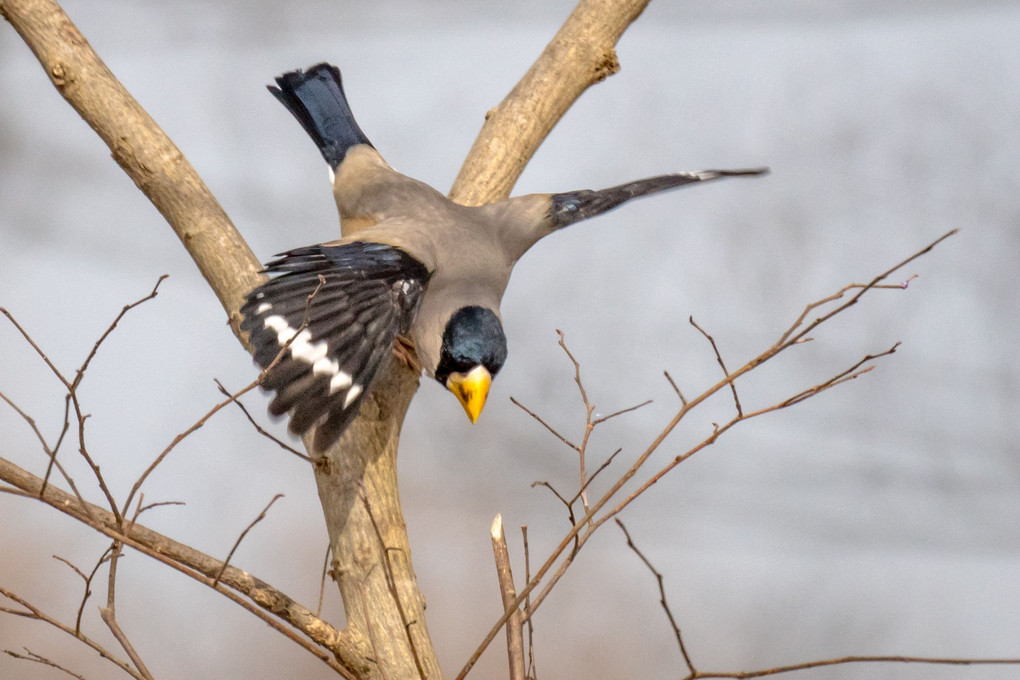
410, 263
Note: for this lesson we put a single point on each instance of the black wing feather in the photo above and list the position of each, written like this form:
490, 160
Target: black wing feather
364, 295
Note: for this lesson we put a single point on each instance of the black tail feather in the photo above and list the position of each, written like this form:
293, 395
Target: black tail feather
316, 98
575, 206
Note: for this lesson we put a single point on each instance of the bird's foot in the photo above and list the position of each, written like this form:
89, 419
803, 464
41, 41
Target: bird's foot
404, 351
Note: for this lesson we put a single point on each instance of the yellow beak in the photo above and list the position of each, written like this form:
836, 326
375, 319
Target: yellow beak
471, 389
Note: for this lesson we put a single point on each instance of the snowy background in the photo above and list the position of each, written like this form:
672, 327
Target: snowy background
880, 518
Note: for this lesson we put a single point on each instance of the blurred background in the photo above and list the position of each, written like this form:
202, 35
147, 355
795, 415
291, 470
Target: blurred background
882, 517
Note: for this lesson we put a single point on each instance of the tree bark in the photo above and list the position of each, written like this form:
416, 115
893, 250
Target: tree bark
357, 478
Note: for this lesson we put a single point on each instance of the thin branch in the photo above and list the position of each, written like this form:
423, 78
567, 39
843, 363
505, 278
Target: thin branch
80, 373
56, 448
862, 289
32, 612
322, 581
602, 419
544, 424
109, 613
722, 364
606, 463
237, 543
29, 655
575, 535
50, 453
38, 350
930, 660
662, 599
88, 584
508, 593
531, 673
181, 437
683, 401
392, 585
347, 653
258, 428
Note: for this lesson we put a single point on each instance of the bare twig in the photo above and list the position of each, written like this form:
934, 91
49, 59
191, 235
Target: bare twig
392, 585
683, 401
602, 419
508, 593
51, 453
38, 350
237, 543
88, 583
932, 660
341, 651
181, 437
544, 424
322, 581
722, 364
586, 525
662, 599
29, 655
80, 373
109, 613
230, 399
595, 474
32, 612
258, 428
589, 409
531, 673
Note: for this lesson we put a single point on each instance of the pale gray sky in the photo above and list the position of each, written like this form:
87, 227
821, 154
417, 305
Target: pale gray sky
883, 517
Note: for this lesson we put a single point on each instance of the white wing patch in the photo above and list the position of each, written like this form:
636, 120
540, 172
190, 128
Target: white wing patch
313, 353
352, 395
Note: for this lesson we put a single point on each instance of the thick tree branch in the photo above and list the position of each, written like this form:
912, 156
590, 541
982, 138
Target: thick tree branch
581, 54
364, 461
140, 147
347, 647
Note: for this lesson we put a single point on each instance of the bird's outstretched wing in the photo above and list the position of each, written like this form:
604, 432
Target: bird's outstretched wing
331, 313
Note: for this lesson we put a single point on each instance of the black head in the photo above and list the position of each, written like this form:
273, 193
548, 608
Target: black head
473, 337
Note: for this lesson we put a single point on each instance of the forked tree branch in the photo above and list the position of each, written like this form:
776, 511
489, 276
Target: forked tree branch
140, 147
364, 460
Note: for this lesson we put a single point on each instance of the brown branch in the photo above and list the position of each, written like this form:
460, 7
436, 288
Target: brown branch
508, 593
581, 54
683, 400
80, 373
32, 612
140, 147
29, 655
136, 487
109, 614
394, 593
259, 429
722, 364
322, 581
579, 534
601, 419
544, 424
938, 661
694, 674
237, 543
51, 453
269, 605
531, 672
662, 599
589, 426
88, 584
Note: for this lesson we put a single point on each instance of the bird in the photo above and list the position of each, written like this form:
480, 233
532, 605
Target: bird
414, 275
